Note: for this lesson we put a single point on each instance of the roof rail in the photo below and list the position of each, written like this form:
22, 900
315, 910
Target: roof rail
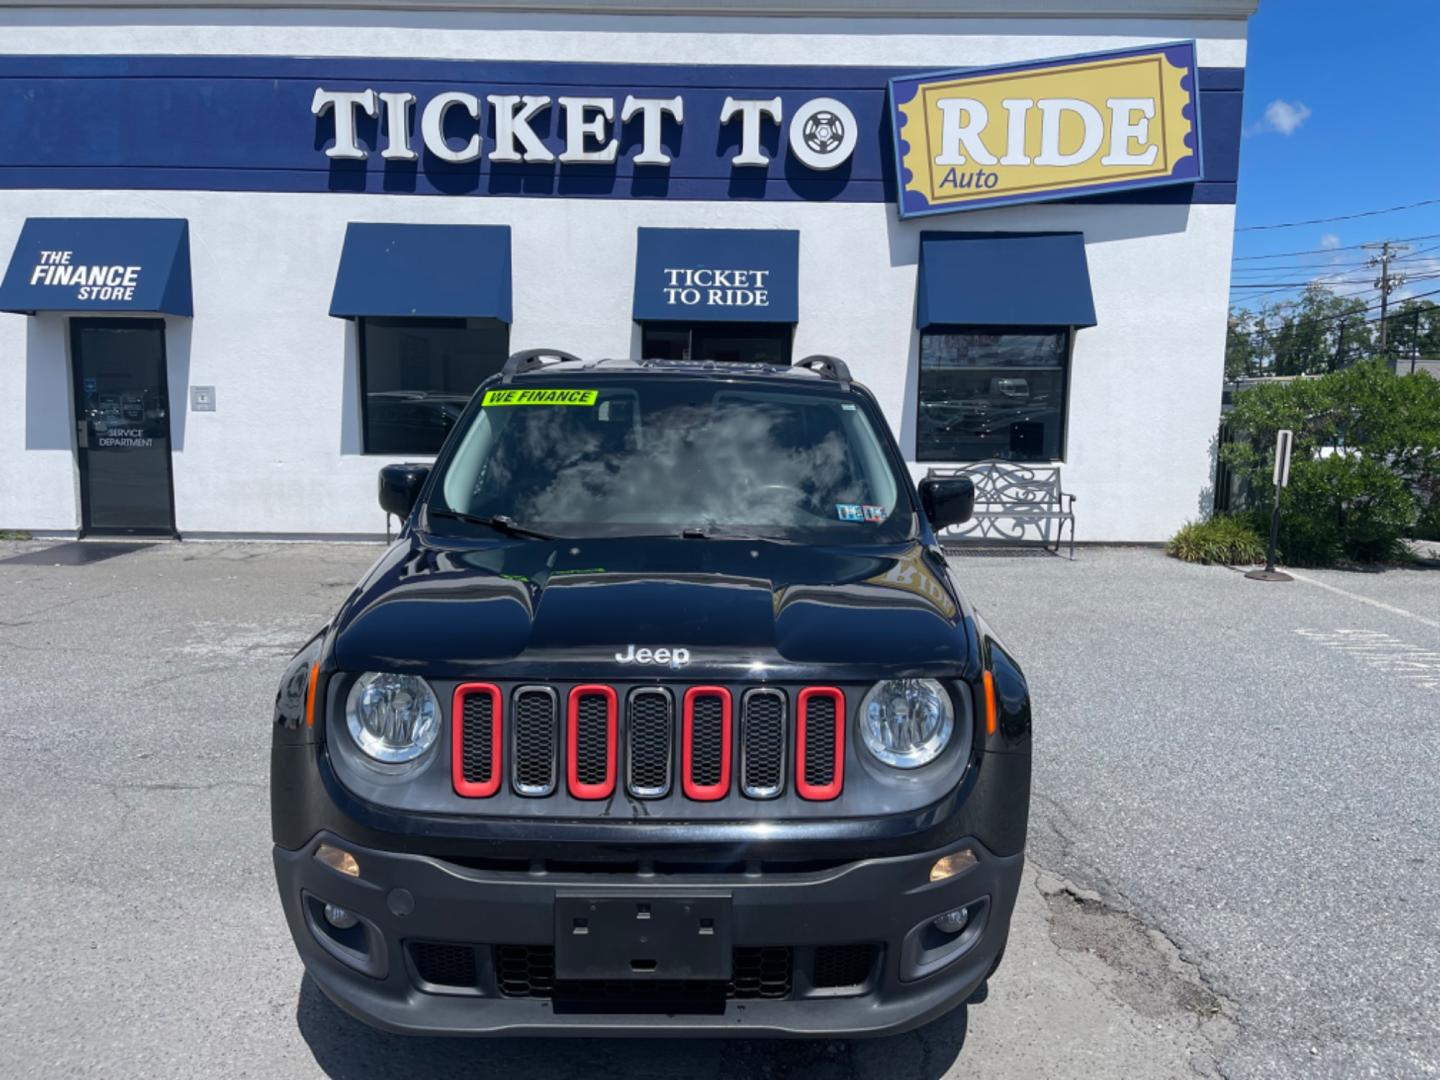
531, 360
832, 367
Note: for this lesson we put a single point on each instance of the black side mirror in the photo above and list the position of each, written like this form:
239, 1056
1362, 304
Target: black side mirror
947, 500
400, 486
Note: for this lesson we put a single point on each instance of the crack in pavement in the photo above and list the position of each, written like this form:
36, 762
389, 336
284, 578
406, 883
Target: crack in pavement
1147, 971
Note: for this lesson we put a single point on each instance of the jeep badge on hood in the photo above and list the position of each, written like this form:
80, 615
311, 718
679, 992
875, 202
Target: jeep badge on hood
676, 658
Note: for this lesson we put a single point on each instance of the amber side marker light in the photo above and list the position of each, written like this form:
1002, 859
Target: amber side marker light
310, 694
989, 704
340, 861
955, 863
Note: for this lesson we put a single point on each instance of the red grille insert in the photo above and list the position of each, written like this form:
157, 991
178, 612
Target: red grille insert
705, 743
476, 725
590, 740
820, 743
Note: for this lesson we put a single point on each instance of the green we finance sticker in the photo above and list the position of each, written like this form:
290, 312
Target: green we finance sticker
540, 397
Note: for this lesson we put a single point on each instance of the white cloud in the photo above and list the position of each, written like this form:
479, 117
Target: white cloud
1329, 241
1281, 117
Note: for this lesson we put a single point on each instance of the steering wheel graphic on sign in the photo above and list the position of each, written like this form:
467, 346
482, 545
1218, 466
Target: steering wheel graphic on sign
823, 133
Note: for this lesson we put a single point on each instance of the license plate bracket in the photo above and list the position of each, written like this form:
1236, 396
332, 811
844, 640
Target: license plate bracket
646, 937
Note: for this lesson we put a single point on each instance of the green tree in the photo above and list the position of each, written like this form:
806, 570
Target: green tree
1320, 332
1316, 333
1242, 347
1365, 471
1414, 331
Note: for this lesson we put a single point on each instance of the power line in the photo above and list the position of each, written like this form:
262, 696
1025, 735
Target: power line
1340, 217
1324, 281
1322, 250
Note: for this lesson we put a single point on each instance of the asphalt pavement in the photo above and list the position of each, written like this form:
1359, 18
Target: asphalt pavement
1254, 768
1235, 788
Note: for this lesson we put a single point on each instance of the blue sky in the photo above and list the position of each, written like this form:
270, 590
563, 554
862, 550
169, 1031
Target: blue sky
1342, 116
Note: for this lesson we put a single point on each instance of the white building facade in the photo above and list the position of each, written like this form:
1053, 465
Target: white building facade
221, 321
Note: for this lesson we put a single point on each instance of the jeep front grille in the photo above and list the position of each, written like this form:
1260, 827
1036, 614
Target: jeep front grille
705, 743
477, 740
591, 738
762, 743
536, 733
650, 743
820, 742
535, 721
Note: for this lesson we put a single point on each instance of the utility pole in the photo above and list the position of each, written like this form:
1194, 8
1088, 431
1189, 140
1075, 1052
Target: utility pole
1386, 283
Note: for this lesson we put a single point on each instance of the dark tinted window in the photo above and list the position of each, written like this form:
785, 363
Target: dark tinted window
417, 374
992, 393
750, 343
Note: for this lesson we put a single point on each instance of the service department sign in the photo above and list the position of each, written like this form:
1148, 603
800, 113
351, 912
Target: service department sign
1046, 129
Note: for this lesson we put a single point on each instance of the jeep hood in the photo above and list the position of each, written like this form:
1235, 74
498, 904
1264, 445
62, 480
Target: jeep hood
528, 607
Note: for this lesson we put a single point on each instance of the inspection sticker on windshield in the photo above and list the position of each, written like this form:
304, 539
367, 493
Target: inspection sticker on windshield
537, 396
849, 512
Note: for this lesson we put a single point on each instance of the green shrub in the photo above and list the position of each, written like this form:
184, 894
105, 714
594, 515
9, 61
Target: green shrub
1222, 539
1365, 472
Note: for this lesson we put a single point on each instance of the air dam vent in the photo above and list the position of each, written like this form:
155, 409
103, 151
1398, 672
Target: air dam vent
441, 963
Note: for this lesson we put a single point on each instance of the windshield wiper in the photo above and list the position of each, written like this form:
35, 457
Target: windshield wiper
501, 523
695, 532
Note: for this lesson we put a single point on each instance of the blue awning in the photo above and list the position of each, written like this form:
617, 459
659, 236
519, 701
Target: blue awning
137, 265
425, 271
722, 275
1004, 279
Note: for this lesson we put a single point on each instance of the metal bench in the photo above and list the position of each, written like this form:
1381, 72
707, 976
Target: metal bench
1011, 497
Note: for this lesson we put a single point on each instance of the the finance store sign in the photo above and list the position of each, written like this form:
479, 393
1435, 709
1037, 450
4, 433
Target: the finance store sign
1046, 129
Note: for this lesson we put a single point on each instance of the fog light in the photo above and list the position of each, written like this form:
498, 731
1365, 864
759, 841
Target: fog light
955, 863
341, 919
952, 922
341, 861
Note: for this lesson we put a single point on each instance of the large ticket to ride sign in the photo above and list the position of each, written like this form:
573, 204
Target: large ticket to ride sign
1046, 129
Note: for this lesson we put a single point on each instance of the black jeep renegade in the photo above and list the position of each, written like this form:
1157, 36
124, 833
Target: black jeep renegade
663, 715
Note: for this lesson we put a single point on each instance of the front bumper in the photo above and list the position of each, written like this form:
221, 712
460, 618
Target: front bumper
404, 900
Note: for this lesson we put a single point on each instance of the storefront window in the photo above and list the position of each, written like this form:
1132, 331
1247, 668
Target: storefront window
992, 392
752, 343
417, 374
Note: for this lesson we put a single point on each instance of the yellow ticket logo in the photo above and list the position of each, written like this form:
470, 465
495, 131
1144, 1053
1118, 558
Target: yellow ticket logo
1047, 129
539, 396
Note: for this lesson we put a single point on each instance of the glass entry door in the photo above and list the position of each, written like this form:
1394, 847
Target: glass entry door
122, 426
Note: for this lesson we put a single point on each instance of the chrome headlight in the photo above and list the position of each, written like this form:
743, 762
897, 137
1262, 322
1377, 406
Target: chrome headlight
392, 718
907, 722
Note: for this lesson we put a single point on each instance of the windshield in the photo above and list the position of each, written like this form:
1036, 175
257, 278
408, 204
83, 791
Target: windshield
656, 455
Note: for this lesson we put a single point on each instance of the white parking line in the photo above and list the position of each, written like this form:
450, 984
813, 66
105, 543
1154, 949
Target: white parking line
1383, 651
1366, 600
